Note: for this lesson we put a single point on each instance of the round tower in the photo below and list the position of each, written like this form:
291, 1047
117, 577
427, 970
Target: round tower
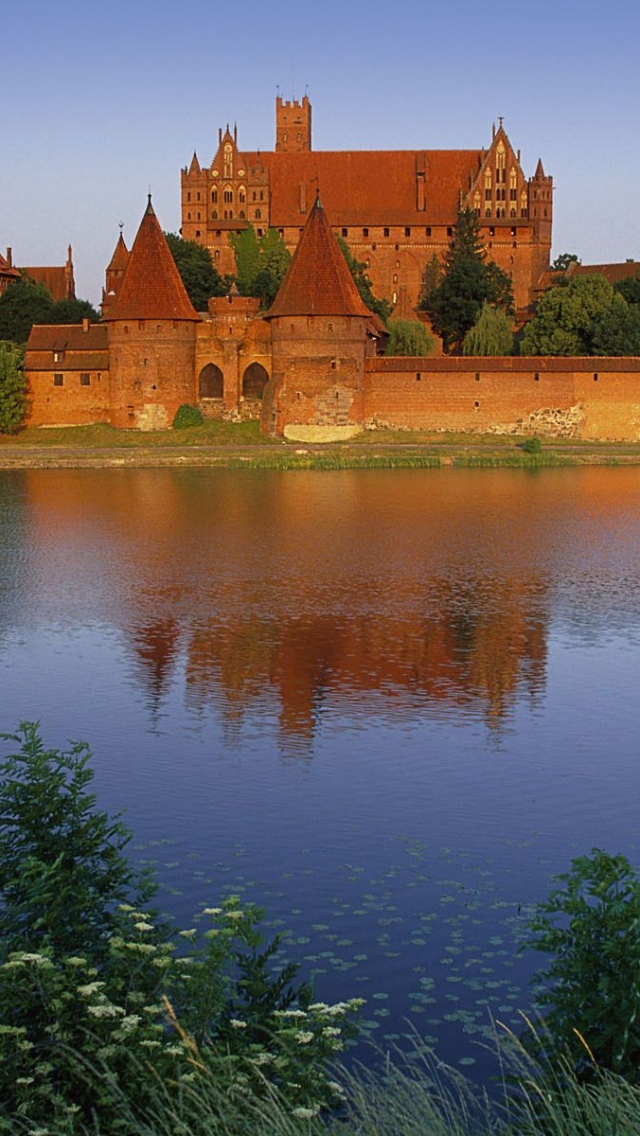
152, 335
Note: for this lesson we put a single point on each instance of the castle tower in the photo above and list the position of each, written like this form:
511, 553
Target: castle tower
541, 213
293, 125
114, 273
321, 333
152, 335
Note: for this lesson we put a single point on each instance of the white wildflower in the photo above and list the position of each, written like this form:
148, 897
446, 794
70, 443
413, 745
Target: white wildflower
105, 1011
235, 1023
234, 914
306, 1113
142, 926
212, 911
90, 989
303, 1037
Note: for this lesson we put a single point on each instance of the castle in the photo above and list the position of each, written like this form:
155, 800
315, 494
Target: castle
308, 368
395, 208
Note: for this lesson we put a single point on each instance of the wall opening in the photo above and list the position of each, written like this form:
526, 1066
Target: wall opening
210, 382
254, 381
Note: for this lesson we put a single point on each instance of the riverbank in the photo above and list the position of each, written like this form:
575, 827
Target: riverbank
240, 445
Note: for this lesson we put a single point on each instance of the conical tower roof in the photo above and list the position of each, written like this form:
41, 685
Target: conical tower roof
120, 257
151, 287
318, 281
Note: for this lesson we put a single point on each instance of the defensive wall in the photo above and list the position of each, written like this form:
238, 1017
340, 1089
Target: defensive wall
575, 397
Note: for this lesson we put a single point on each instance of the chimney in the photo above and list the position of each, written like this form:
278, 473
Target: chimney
10, 258
86, 324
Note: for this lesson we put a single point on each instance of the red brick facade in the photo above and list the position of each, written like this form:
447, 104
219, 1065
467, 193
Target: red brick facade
309, 362
395, 209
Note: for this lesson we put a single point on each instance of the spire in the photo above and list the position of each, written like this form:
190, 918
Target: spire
318, 281
151, 286
539, 170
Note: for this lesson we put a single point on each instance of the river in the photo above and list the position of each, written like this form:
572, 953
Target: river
387, 705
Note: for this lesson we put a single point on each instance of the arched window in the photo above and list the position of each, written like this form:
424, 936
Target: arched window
258, 214
228, 195
254, 381
228, 160
242, 196
210, 382
214, 196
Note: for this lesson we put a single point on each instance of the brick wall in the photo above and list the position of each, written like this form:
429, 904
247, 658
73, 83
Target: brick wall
589, 398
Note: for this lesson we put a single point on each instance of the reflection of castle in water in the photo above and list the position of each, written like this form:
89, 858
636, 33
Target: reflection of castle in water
292, 595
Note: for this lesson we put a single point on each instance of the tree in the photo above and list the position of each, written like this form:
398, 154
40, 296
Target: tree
590, 926
491, 334
617, 330
357, 268
22, 305
13, 398
261, 263
73, 311
567, 317
468, 282
431, 277
198, 272
409, 337
563, 260
629, 288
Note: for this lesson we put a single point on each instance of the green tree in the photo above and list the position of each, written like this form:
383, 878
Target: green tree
617, 330
468, 282
629, 288
13, 396
590, 927
563, 260
566, 317
22, 305
491, 334
199, 274
357, 268
409, 337
261, 263
431, 277
73, 311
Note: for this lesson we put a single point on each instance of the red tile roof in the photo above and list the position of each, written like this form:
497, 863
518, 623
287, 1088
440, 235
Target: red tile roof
368, 187
151, 287
611, 272
54, 277
318, 281
83, 350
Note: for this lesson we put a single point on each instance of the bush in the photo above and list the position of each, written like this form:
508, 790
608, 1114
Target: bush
101, 999
13, 399
531, 446
590, 925
187, 416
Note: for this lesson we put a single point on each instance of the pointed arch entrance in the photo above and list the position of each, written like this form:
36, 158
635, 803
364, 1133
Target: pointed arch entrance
210, 382
254, 381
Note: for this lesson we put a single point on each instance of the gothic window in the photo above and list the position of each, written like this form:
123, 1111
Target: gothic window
487, 185
214, 196
395, 278
214, 215
242, 197
241, 214
487, 212
501, 161
258, 215
228, 160
228, 195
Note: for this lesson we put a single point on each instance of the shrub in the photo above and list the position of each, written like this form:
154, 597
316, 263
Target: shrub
590, 925
187, 416
531, 446
13, 399
101, 999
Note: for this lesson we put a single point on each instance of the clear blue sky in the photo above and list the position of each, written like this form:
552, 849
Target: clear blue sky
101, 103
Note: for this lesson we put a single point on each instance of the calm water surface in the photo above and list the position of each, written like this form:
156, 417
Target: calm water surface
387, 705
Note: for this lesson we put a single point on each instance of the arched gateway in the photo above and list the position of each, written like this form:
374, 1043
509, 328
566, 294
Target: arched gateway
210, 382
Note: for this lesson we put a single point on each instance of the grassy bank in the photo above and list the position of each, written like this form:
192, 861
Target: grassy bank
241, 445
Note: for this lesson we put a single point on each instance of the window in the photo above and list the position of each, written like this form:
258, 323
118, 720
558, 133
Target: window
449, 230
345, 232
58, 380
85, 381
58, 356
228, 160
492, 231
365, 232
428, 231
385, 232
214, 196
228, 196
407, 231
